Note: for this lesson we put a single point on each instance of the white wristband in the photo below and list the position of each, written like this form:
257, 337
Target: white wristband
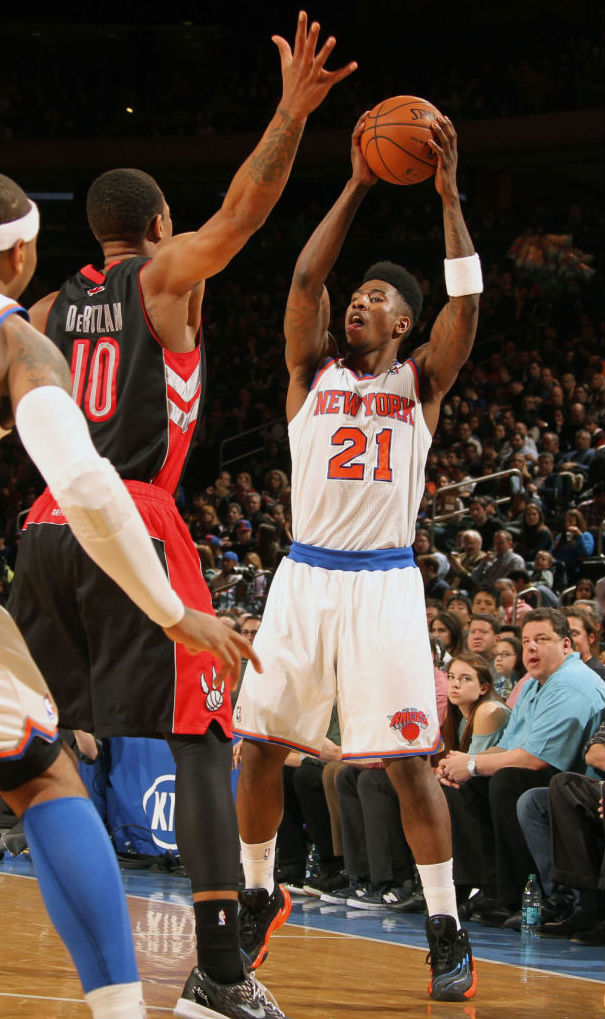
463, 276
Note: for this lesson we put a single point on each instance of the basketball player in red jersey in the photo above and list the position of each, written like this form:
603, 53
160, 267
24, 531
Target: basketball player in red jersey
131, 333
75, 862
345, 615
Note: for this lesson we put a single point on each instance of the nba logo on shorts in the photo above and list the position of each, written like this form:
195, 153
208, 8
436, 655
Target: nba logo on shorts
50, 710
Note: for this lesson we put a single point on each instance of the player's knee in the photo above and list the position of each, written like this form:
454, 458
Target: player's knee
261, 760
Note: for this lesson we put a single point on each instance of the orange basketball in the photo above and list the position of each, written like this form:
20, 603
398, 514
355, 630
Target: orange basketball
394, 140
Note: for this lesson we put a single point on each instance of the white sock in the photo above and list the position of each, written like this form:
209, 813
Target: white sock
438, 887
258, 861
117, 1001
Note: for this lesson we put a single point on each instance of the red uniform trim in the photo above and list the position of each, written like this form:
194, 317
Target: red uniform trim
31, 731
90, 273
278, 742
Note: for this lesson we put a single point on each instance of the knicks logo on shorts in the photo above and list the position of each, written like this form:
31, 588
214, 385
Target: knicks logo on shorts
409, 722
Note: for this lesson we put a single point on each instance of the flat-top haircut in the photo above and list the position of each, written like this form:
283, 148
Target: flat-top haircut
14, 203
121, 204
403, 281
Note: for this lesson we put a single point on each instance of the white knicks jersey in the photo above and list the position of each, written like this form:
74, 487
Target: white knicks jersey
359, 448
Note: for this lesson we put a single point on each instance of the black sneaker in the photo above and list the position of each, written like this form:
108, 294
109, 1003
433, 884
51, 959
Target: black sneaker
371, 898
203, 998
453, 974
326, 881
260, 914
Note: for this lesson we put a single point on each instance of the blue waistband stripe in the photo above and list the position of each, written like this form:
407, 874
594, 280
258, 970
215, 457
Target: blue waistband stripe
337, 559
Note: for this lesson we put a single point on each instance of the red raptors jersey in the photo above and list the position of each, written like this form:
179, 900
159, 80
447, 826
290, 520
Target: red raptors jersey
142, 402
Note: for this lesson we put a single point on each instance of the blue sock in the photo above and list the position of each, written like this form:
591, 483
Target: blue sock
81, 885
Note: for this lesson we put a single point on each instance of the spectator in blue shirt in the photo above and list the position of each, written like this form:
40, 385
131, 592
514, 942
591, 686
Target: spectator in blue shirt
557, 711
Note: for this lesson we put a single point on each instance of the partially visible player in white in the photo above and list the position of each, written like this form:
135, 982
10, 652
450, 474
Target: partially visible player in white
75, 863
345, 615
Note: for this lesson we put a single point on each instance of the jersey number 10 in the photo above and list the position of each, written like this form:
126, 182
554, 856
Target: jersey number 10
94, 384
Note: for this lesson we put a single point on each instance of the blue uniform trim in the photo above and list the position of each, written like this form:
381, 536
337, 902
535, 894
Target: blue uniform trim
12, 309
352, 562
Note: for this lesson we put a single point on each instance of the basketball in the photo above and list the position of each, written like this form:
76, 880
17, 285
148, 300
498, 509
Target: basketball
394, 140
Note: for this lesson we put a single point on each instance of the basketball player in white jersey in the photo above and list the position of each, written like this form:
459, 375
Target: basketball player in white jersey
75, 862
345, 615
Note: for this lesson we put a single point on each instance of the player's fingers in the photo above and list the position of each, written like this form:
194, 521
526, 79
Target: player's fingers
301, 34
285, 53
359, 126
311, 42
333, 77
229, 671
252, 656
325, 51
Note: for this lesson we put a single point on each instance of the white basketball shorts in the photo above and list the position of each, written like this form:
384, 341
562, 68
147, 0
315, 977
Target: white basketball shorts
26, 706
357, 635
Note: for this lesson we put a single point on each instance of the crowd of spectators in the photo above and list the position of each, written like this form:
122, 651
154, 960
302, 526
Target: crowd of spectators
214, 83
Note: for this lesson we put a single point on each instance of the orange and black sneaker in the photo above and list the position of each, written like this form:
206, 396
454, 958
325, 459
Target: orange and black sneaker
453, 974
260, 914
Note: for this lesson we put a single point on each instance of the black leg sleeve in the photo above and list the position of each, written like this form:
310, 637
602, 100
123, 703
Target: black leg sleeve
205, 819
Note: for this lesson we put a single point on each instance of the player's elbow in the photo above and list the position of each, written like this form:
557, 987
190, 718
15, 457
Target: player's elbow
245, 216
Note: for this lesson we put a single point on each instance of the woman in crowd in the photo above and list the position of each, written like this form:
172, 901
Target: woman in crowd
424, 546
275, 483
447, 626
508, 662
534, 535
574, 544
475, 718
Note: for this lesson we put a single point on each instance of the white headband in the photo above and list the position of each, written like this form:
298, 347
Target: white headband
24, 229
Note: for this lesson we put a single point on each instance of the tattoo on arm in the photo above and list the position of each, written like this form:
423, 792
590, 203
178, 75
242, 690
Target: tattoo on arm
37, 360
275, 154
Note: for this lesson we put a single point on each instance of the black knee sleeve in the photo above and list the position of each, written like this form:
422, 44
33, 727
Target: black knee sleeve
205, 820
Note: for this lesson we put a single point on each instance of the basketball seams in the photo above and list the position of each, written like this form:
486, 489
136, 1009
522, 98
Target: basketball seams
408, 152
394, 145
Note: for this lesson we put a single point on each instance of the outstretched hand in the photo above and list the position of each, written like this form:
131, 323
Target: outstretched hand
444, 144
361, 170
306, 82
198, 631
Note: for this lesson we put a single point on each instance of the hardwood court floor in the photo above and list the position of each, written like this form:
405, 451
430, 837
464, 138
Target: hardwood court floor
315, 973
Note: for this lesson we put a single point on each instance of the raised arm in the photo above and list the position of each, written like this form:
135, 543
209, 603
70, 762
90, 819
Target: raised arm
308, 307
453, 333
187, 258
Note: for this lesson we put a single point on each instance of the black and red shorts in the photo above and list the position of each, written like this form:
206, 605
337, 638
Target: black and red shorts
110, 669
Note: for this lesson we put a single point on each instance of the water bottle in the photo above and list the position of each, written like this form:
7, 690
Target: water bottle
312, 864
531, 907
